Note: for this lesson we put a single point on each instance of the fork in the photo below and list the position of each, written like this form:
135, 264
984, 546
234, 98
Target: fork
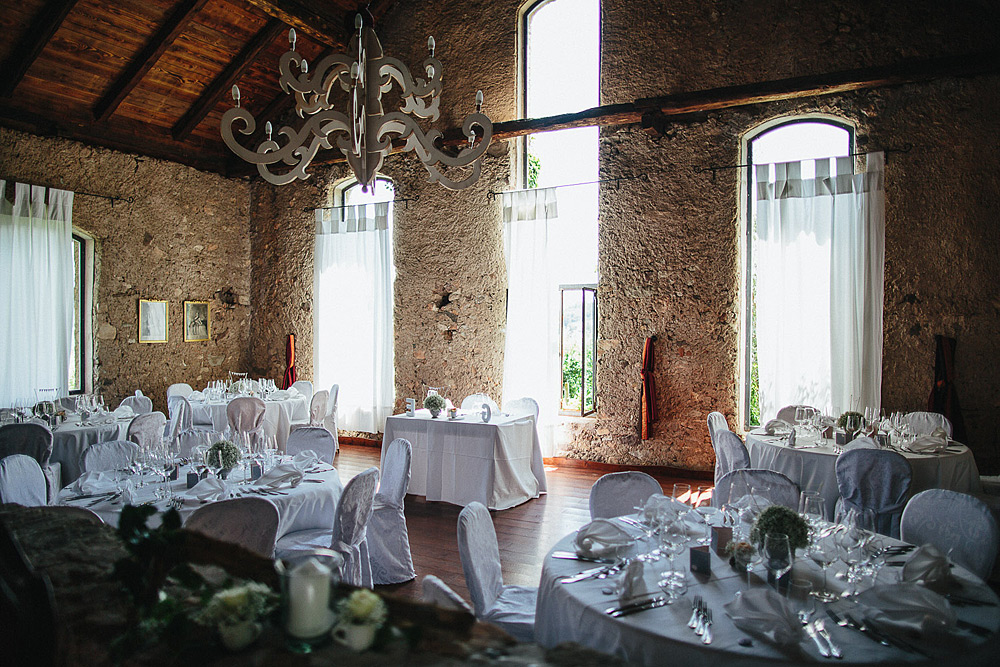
821, 629
695, 612
706, 637
699, 628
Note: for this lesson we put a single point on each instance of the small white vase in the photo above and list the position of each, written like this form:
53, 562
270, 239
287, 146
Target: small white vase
238, 636
355, 637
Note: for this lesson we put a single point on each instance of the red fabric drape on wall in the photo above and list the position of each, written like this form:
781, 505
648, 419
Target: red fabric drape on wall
648, 390
290, 373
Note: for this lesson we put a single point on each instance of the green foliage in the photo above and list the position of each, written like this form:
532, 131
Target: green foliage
754, 371
842, 422
534, 169
230, 454
434, 402
780, 519
572, 378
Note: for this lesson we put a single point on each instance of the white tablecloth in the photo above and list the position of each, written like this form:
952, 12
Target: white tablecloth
70, 438
815, 469
278, 416
310, 505
498, 463
575, 613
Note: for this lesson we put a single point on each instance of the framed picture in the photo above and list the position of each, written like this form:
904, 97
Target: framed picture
197, 321
152, 321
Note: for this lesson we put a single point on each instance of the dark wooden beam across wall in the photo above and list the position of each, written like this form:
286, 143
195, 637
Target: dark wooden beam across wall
320, 19
31, 44
143, 62
223, 83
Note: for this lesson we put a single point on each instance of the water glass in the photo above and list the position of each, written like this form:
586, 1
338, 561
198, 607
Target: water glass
801, 599
777, 554
682, 493
674, 583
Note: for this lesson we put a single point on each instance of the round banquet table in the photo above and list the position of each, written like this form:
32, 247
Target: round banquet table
310, 505
576, 613
278, 415
812, 465
70, 438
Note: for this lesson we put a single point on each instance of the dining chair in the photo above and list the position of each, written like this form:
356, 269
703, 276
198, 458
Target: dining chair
787, 413
195, 437
304, 387
110, 455
315, 438
330, 420
924, 423
34, 440
716, 424
317, 410
522, 407
877, 480
22, 481
436, 592
147, 430
475, 402
731, 454
388, 540
619, 493
774, 487
181, 417
958, 524
510, 607
179, 389
139, 403
348, 537
246, 417
252, 523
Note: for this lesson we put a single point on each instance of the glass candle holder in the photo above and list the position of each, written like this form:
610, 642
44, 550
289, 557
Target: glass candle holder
307, 584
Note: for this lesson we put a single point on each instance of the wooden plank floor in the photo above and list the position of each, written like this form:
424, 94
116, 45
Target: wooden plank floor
525, 533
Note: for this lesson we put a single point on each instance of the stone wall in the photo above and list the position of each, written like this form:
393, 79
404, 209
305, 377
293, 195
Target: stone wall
184, 237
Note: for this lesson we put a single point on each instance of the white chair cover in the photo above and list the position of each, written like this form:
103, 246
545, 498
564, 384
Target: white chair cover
522, 407
510, 607
731, 454
318, 407
350, 527
619, 493
436, 592
862, 442
188, 440
34, 440
147, 430
140, 404
787, 413
475, 402
315, 438
181, 417
304, 387
924, 423
111, 455
22, 481
246, 416
875, 479
388, 541
773, 486
251, 523
958, 524
179, 389
716, 423
330, 420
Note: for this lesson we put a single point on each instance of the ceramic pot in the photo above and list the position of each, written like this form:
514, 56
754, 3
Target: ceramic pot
434, 413
355, 637
238, 636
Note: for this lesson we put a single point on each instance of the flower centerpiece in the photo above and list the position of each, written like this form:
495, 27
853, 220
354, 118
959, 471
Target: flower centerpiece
844, 418
223, 454
779, 519
236, 613
740, 553
360, 617
435, 404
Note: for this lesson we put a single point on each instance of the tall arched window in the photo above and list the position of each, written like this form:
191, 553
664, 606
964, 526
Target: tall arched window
353, 306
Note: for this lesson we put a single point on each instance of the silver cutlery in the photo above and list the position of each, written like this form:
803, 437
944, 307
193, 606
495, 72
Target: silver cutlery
569, 555
706, 636
845, 623
113, 497
695, 612
630, 521
634, 608
586, 574
892, 639
811, 631
699, 626
834, 649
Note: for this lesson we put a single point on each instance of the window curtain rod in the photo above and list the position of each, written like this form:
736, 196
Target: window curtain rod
644, 177
76, 193
406, 204
906, 148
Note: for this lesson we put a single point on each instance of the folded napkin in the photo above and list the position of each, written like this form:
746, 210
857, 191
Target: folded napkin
928, 565
659, 504
862, 442
285, 474
293, 392
306, 459
937, 441
778, 427
94, 481
124, 412
764, 614
196, 396
210, 488
602, 538
632, 584
281, 395
907, 606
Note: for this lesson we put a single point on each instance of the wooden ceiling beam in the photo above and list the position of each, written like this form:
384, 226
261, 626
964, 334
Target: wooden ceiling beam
321, 20
222, 83
32, 43
142, 63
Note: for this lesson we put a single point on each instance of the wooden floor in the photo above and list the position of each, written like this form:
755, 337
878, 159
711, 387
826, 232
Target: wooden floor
525, 533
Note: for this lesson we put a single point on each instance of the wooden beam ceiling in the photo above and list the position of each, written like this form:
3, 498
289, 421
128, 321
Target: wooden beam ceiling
315, 18
30, 46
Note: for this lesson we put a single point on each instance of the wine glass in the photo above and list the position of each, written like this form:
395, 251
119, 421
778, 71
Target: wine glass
673, 541
812, 507
682, 493
676, 585
746, 557
800, 596
823, 552
777, 555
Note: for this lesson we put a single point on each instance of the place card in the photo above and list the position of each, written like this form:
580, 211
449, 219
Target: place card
701, 560
721, 536
828, 433
843, 437
174, 471
411, 407
256, 470
192, 479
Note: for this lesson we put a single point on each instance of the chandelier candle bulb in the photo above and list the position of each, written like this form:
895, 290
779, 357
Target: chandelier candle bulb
291, 38
430, 45
267, 130
236, 94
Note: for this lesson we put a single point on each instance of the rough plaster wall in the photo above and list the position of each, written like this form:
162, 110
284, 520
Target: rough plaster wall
185, 237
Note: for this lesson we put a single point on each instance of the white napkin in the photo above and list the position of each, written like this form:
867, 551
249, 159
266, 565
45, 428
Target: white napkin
281, 475
937, 441
601, 538
94, 481
632, 584
658, 503
210, 488
926, 564
306, 460
292, 392
281, 395
128, 493
123, 412
907, 606
764, 614
196, 396
777, 427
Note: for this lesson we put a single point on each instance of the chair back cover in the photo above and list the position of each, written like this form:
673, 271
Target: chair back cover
395, 473
111, 455
388, 539
140, 404
22, 481
878, 480
181, 416
862, 442
315, 438
246, 414
251, 523
924, 423
330, 420
350, 525
147, 430
475, 402
477, 547
304, 387
188, 440
730, 455
522, 407
773, 486
787, 413
29, 438
317, 407
953, 522
179, 389
716, 423
618, 493
436, 592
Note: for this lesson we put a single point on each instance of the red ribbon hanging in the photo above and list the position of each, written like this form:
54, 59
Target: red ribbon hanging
290, 373
648, 390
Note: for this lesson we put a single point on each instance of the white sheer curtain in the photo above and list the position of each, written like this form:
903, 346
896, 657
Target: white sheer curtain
819, 266
354, 277
36, 291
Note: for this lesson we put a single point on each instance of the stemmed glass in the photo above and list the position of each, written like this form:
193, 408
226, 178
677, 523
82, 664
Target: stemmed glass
823, 552
682, 493
812, 508
673, 540
803, 602
747, 558
777, 555
676, 585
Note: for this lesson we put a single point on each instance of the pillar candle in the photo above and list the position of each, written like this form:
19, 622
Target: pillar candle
308, 602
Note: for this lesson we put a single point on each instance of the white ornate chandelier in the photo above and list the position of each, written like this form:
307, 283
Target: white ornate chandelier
366, 132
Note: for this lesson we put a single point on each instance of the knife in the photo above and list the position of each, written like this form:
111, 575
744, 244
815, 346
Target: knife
889, 637
586, 574
839, 620
823, 648
569, 555
635, 607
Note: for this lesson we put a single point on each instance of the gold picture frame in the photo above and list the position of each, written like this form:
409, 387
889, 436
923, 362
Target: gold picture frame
197, 321
154, 320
